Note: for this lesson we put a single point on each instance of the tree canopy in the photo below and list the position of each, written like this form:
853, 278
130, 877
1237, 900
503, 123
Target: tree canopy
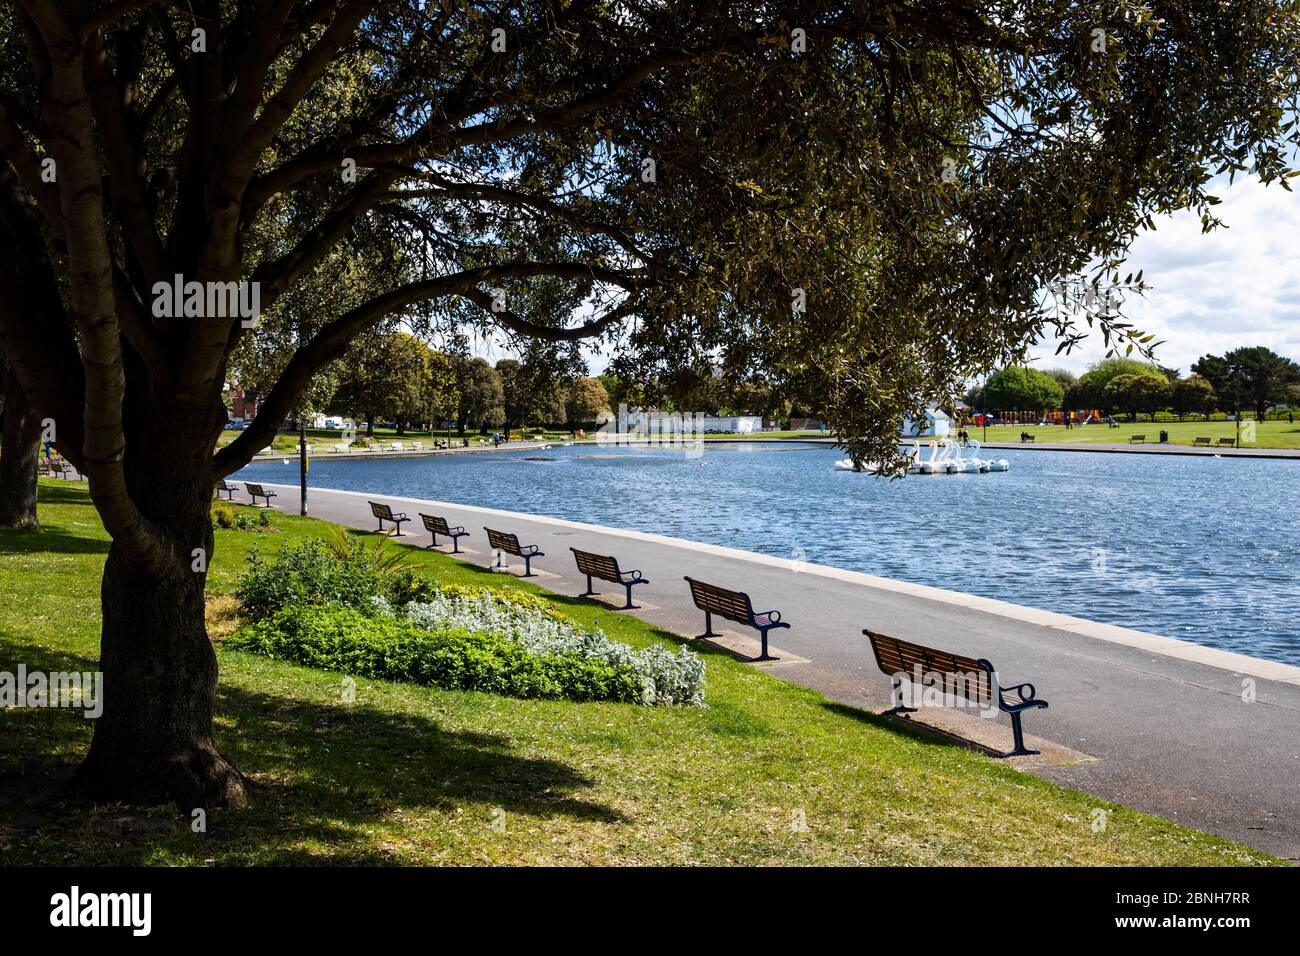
1022, 389
1252, 376
862, 203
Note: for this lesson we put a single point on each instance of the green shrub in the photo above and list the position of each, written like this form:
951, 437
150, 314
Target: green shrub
308, 573
339, 638
223, 516
245, 522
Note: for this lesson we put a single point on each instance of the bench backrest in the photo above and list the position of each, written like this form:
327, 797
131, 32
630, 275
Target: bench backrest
435, 524
225, 485
1201, 441
962, 675
254, 489
733, 605
380, 510
604, 566
503, 541
1227, 441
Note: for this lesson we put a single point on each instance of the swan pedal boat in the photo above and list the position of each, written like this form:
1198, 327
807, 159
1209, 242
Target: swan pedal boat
945, 459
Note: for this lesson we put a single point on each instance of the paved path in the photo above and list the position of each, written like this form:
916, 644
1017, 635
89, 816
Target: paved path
1166, 719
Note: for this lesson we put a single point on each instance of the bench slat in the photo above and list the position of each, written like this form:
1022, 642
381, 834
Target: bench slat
601, 566
895, 656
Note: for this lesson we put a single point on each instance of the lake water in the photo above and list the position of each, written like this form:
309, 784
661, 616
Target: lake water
1199, 548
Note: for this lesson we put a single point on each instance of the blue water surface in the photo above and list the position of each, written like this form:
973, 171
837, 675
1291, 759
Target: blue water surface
1200, 548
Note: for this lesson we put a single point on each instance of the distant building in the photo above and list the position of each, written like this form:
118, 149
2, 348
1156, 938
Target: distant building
243, 405
735, 424
936, 424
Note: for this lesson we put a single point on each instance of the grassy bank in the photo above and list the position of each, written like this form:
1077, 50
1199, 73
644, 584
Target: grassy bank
1271, 434
415, 775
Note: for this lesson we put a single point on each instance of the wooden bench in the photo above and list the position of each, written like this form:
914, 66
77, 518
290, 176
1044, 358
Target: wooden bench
504, 542
975, 680
1202, 441
385, 513
1137, 439
226, 488
438, 526
1227, 442
1026, 437
605, 567
257, 491
734, 606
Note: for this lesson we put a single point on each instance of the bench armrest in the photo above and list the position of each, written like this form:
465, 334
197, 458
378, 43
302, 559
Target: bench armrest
529, 549
460, 529
1020, 689
631, 577
401, 516
773, 617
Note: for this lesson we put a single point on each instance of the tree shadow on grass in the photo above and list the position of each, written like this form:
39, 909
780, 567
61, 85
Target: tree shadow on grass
920, 733
50, 538
322, 775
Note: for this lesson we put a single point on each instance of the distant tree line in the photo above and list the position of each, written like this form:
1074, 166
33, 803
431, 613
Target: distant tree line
396, 377
1253, 379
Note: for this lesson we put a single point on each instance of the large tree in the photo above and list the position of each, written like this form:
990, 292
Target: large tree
480, 401
1250, 376
1144, 392
20, 446
1090, 391
1193, 395
862, 201
586, 402
1023, 389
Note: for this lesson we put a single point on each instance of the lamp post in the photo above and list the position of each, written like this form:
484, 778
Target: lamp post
302, 463
984, 412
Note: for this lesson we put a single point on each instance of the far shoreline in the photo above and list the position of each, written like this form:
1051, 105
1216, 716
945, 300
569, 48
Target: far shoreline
1153, 448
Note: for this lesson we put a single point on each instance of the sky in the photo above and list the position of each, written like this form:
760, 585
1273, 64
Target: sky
1236, 286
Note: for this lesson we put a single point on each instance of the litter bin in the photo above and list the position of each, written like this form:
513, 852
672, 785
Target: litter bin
1164, 436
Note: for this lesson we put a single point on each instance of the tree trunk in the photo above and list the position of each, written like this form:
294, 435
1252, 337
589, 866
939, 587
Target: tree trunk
20, 449
153, 741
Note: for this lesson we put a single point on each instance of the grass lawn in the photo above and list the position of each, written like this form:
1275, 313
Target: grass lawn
413, 775
1270, 434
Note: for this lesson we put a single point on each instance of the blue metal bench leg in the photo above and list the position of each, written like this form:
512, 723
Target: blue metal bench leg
765, 656
589, 592
896, 698
455, 544
629, 606
435, 540
1021, 750
528, 566
708, 626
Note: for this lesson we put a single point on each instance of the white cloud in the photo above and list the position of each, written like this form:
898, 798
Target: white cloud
1238, 285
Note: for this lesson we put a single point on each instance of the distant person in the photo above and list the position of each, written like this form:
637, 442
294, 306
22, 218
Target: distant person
1290, 417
